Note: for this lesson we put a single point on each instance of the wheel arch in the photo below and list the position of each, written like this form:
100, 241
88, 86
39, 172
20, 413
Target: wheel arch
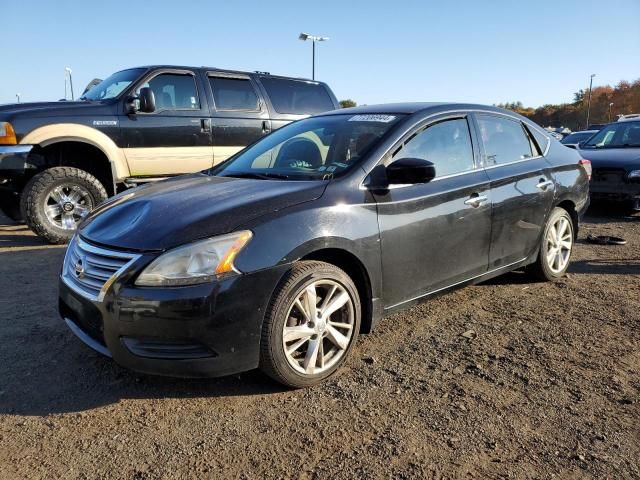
357, 271
570, 207
48, 135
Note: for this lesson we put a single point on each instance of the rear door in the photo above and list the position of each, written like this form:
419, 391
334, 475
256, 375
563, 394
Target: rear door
239, 114
175, 138
522, 188
435, 234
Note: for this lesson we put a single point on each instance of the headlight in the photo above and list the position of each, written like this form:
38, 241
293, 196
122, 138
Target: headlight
199, 262
7, 134
634, 174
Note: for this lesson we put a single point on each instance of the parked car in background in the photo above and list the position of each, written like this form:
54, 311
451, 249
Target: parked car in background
280, 256
630, 117
58, 160
614, 153
573, 139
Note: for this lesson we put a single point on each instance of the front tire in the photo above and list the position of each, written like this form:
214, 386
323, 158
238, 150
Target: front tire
310, 326
55, 201
555, 248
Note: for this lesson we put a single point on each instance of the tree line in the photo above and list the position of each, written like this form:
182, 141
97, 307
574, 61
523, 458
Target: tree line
624, 97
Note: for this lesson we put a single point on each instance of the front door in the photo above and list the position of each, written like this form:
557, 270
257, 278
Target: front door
522, 189
239, 116
176, 137
435, 234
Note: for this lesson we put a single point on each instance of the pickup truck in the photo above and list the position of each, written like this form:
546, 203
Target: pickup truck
59, 160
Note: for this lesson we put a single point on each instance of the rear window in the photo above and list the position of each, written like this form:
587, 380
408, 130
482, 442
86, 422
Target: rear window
231, 93
297, 96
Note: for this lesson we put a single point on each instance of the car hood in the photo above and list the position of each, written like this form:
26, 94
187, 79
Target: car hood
40, 109
174, 212
612, 157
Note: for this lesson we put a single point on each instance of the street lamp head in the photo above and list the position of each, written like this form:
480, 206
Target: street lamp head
611, 104
314, 38
68, 70
593, 75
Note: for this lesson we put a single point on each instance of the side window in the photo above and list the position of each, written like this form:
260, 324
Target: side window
231, 93
504, 140
297, 96
446, 144
174, 91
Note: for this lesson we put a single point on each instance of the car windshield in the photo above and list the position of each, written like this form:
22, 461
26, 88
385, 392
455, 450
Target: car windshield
616, 135
113, 85
313, 148
577, 137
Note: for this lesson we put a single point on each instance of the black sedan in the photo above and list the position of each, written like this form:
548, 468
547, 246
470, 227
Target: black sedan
614, 153
280, 256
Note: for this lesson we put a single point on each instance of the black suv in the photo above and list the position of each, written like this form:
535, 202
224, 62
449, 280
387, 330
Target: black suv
58, 160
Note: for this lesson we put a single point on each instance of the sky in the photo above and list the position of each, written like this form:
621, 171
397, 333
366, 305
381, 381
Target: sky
480, 51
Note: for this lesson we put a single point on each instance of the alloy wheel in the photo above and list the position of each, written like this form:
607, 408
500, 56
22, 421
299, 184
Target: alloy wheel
559, 242
319, 327
66, 205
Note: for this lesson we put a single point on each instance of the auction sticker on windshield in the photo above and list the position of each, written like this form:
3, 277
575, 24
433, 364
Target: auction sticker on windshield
373, 118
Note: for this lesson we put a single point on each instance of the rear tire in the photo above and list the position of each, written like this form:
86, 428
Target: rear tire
556, 247
310, 326
55, 201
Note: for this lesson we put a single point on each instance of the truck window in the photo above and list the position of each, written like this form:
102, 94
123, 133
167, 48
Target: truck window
297, 96
231, 93
174, 91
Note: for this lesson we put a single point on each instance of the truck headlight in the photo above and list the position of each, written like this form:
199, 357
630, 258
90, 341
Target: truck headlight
198, 262
634, 174
7, 134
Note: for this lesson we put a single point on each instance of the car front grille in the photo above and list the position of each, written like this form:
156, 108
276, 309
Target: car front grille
612, 175
90, 270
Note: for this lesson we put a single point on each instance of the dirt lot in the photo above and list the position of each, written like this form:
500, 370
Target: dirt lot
549, 387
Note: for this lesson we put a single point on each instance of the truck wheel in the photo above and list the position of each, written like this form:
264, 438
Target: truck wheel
55, 201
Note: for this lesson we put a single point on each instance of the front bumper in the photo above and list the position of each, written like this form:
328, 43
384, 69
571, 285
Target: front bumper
15, 161
16, 167
204, 330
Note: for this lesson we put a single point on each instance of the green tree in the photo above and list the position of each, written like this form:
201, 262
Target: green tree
347, 103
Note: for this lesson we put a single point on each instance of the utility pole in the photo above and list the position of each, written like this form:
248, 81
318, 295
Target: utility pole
69, 72
589, 105
610, 105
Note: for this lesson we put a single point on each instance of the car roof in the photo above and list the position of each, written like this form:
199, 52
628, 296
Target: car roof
415, 107
224, 70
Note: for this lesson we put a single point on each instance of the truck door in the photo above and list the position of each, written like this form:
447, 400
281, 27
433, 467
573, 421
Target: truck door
239, 115
176, 137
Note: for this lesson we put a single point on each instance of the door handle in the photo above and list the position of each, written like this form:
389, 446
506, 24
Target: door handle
544, 184
205, 125
475, 200
265, 127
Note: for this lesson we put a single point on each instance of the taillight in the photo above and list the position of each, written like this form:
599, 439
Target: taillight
586, 164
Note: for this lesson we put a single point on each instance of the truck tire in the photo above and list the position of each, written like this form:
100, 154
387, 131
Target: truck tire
56, 200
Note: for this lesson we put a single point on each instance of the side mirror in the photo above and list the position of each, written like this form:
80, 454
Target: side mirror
410, 171
147, 100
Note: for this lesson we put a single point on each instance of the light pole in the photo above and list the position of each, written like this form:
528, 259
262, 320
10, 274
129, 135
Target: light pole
18, 97
314, 38
589, 104
69, 71
610, 105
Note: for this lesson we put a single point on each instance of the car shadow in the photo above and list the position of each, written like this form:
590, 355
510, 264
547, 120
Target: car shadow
610, 266
45, 369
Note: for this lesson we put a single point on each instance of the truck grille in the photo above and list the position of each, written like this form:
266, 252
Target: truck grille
90, 270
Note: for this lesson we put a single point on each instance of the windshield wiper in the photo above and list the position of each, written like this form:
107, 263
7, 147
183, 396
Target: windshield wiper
258, 176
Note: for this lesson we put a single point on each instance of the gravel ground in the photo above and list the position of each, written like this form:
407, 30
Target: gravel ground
543, 384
